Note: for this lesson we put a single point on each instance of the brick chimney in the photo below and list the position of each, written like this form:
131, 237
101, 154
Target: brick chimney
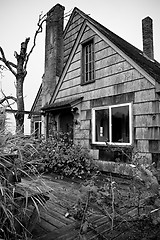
147, 31
53, 51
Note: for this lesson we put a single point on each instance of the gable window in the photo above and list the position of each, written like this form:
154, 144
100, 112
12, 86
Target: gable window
37, 129
88, 62
112, 124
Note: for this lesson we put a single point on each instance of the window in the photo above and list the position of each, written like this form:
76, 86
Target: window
112, 124
37, 129
88, 62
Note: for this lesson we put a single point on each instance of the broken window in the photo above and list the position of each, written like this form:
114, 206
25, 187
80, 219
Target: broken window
112, 124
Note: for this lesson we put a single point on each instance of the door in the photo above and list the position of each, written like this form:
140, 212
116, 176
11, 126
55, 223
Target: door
66, 123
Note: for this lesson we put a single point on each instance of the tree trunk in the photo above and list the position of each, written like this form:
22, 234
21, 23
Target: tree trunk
19, 71
19, 116
20, 76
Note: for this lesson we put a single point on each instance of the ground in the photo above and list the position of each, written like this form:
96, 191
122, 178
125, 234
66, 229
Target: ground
64, 216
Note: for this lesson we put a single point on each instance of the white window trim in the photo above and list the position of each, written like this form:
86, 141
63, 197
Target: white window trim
110, 132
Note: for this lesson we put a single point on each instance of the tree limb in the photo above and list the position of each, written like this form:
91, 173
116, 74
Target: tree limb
8, 64
41, 20
20, 70
6, 98
12, 64
68, 14
2, 67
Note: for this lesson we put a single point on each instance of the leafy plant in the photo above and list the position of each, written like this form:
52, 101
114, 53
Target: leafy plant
99, 194
18, 202
22, 156
136, 203
58, 154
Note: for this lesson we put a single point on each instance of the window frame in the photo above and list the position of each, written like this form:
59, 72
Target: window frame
110, 125
39, 129
92, 67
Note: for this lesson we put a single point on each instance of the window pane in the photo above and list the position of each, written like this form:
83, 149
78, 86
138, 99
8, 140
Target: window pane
120, 124
102, 125
88, 62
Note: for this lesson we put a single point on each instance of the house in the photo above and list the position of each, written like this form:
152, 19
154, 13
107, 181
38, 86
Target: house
100, 88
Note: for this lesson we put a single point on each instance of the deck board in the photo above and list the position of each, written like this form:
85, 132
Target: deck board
54, 225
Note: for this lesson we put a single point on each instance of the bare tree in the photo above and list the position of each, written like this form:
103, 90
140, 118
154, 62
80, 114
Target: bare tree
19, 70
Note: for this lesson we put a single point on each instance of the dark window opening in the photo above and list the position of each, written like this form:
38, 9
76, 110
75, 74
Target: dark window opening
37, 129
120, 124
112, 125
88, 62
102, 125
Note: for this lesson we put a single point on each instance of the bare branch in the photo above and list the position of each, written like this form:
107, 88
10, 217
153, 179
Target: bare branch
12, 64
6, 98
8, 64
2, 67
15, 54
8, 103
68, 14
41, 20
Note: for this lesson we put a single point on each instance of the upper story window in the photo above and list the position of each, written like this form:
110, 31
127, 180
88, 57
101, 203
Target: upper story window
88, 61
112, 124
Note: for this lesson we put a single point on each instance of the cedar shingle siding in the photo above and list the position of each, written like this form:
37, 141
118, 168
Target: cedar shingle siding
122, 74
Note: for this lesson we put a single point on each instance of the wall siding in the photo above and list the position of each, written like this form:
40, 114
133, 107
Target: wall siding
116, 81
71, 35
37, 109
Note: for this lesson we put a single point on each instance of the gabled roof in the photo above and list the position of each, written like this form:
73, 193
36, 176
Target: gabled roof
152, 67
149, 68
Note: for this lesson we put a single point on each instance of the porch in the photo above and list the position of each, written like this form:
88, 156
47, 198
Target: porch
57, 223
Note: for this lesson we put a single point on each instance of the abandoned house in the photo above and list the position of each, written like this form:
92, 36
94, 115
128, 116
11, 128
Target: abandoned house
100, 88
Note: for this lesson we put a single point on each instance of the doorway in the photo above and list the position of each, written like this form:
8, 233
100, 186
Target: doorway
66, 123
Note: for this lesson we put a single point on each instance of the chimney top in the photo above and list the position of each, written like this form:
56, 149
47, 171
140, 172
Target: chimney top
54, 51
57, 6
147, 31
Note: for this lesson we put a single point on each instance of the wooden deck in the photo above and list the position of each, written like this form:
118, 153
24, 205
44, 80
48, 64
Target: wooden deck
62, 197
54, 224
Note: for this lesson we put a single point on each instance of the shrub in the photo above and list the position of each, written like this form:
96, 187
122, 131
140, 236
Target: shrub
58, 154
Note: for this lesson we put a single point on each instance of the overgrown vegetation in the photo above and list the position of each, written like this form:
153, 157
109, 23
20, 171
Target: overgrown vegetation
127, 208
131, 206
134, 204
20, 203
58, 154
26, 157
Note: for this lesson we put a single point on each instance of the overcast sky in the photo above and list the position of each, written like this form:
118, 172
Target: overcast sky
18, 19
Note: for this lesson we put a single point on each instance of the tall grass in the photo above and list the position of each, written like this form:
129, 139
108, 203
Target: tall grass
20, 200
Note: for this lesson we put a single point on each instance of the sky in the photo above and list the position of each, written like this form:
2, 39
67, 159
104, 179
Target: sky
18, 20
